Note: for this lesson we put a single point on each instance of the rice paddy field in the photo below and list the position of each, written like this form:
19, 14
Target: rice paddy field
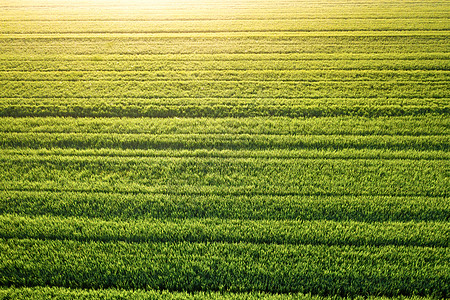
224, 149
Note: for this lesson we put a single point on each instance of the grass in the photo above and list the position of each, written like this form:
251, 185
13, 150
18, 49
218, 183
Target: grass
224, 149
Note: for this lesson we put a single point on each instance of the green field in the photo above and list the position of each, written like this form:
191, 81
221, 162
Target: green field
224, 149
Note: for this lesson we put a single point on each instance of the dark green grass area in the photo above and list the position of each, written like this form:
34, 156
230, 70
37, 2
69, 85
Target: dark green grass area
222, 176
236, 267
129, 206
296, 232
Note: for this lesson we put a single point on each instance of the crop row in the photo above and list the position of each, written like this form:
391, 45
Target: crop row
55, 58
219, 107
248, 43
59, 293
66, 26
230, 10
237, 267
223, 89
425, 234
344, 59
349, 76
110, 63
243, 34
412, 126
36, 140
226, 175
127, 206
348, 153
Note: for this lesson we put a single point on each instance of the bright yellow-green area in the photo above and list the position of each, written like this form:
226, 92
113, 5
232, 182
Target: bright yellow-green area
207, 149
